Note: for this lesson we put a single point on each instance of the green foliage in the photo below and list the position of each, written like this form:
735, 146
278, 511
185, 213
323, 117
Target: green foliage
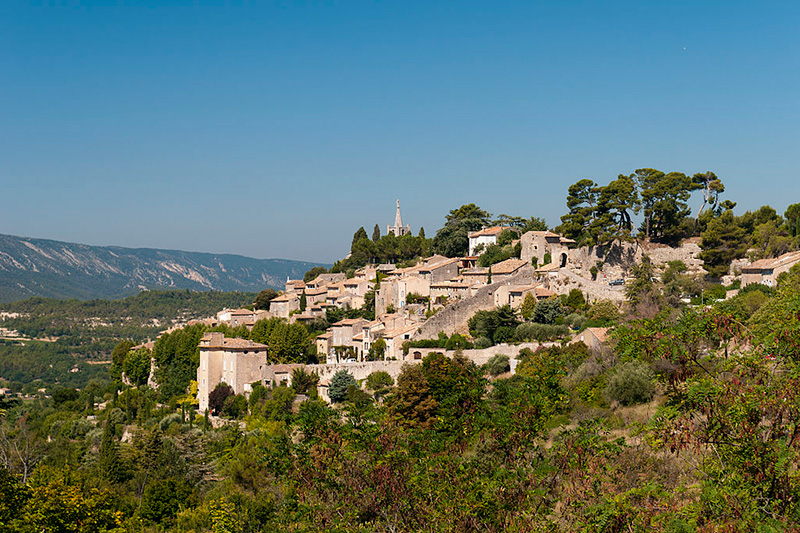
451, 240
163, 498
532, 331
792, 216
264, 297
313, 273
631, 383
498, 364
495, 253
303, 381
137, 366
549, 311
218, 397
528, 306
340, 381
177, 356
96, 330
288, 343
722, 242
575, 300
497, 325
604, 310
379, 380
377, 350
118, 355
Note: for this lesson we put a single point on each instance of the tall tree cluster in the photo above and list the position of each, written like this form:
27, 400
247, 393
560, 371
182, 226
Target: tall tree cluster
599, 214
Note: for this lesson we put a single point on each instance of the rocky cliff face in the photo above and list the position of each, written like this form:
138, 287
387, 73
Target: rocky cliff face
39, 267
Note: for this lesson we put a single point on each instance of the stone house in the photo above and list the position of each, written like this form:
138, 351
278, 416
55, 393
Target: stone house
239, 317
506, 269
475, 276
294, 285
237, 362
485, 237
766, 271
324, 344
394, 341
540, 243
514, 295
394, 291
449, 290
281, 306
594, 338
326, 279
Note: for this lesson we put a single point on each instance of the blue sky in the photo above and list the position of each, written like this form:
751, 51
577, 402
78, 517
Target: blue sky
276, 129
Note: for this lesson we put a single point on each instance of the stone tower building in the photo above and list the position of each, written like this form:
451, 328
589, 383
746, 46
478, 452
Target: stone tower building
398, 229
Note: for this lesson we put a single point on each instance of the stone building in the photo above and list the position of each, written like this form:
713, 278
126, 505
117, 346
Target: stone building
398, 229
540, 243
281, 306
484, 237
237, 362
766, 271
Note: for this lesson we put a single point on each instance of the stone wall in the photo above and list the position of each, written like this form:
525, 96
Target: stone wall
454, 317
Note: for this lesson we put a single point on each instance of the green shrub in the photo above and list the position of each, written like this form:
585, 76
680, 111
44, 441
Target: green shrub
498, 364
338, 388
482, 342
379, 380
631, 383
531, 331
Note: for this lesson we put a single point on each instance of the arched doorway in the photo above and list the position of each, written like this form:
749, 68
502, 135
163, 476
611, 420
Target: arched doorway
563, 260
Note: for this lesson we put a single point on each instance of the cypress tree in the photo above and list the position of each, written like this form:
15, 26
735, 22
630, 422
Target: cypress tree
108, 459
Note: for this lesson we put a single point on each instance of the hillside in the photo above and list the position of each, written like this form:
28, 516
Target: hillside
75, 337
54, 269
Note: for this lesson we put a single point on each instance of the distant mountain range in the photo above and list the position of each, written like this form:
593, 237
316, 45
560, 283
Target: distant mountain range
40, 267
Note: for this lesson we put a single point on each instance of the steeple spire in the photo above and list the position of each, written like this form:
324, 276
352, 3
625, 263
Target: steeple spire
398, 229
398, 220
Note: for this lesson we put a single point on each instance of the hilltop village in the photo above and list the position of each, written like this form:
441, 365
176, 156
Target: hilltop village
501, 376
436, 298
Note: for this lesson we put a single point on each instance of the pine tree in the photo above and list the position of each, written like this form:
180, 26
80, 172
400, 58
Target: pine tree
108, 459
303, 301
376, 233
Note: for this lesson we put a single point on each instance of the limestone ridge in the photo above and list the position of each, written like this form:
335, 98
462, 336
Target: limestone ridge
41, 267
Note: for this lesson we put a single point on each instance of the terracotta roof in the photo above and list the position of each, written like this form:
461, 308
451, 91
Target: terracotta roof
543, 292
766, 264
208, 341
494, 230
285, 298
326, 335
549, 267
238, 311
429, 267
347, 322
479, 271
316, 292
508, 266
450, 285
400, 331
600, 333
